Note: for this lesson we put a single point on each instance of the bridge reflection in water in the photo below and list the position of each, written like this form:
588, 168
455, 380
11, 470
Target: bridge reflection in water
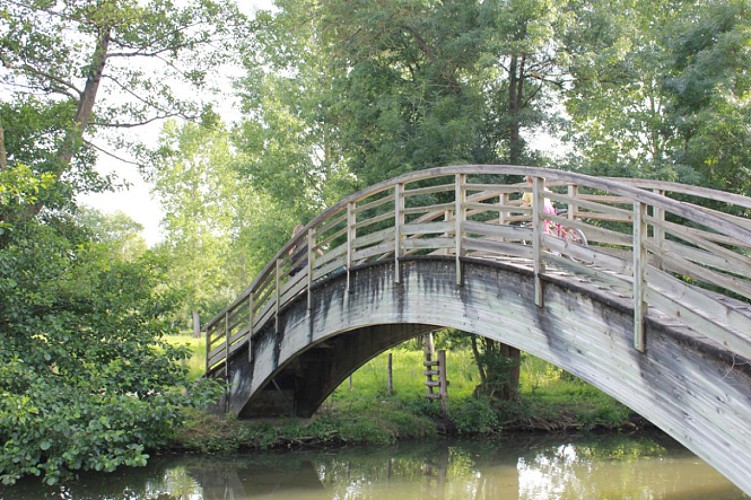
654, 310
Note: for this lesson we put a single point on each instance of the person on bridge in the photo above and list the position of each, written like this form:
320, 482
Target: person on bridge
548, 207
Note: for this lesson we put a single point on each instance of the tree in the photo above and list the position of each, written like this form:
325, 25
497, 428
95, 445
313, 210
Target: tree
288, 138
191, 175
86, 380
79, 58
617, 104
117, 231
708, 91
524, 69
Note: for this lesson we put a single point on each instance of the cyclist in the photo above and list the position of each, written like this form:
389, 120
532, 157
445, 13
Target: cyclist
548, 207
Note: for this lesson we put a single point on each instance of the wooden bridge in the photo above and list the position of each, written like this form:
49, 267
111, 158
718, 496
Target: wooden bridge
654, 310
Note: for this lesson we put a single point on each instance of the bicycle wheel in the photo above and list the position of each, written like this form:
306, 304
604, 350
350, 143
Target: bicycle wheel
575, 235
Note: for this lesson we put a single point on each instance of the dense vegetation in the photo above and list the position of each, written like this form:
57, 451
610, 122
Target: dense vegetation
332, 96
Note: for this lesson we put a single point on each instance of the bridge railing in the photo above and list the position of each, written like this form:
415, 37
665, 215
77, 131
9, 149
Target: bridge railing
674, 249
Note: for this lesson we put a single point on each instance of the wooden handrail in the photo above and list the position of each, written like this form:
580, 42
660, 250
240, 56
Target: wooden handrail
472, 217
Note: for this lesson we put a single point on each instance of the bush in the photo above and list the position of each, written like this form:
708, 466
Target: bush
475, 416
86, 380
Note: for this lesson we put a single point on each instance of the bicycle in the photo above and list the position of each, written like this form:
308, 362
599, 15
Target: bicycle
567, 233
571, 234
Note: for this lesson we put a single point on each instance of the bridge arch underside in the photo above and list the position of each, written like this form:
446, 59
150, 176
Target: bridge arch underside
697, 393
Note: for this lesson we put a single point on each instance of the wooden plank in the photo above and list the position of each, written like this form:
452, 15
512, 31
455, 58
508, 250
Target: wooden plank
364, 207
678, 264
436, 209
426, 243
336, 219
441, 188
592, 208
514, 233
331, 267
698, 299
739, 265
491, 248
605, 199
385, 248
493, 189
695, 318
707, 237
428, 228
375, 237
375, 220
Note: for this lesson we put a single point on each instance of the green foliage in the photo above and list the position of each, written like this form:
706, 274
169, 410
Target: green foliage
475, 416
86, 379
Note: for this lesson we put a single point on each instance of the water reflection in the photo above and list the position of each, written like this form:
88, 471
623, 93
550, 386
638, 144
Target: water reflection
528, 467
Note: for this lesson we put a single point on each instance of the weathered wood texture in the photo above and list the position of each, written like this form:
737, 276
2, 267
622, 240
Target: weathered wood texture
696, 392
685, 262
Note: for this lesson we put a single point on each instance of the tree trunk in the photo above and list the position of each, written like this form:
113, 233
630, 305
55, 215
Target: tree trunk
478, 361
515, 104
86, 102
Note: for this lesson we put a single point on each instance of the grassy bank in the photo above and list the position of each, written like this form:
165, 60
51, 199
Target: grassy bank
362, 411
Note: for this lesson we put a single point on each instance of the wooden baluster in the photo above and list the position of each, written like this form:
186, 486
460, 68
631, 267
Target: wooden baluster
226, 344
351, 235
639, 266
309, 278
658, 233
503, 213
277, 269
208, 348
459, 198
398, 224
573, 192
538, 223
251, 319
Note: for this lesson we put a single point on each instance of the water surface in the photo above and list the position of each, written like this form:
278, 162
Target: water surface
526, 466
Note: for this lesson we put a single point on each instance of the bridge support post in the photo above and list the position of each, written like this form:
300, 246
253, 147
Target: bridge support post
351, 235
639, 270
309, 278
398, 223
251, 319
538, 201
459, 198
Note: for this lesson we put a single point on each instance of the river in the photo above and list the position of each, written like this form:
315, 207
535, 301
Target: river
528, 466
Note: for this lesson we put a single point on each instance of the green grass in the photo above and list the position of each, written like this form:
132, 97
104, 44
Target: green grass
539, 381
196, 364
550, 399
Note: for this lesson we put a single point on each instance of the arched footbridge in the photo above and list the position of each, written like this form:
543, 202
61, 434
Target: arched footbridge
654, 309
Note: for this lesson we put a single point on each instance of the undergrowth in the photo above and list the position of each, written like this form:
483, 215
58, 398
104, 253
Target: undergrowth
361, 411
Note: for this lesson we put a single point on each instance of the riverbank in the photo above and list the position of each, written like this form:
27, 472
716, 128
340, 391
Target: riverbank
362, 411
386, 421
